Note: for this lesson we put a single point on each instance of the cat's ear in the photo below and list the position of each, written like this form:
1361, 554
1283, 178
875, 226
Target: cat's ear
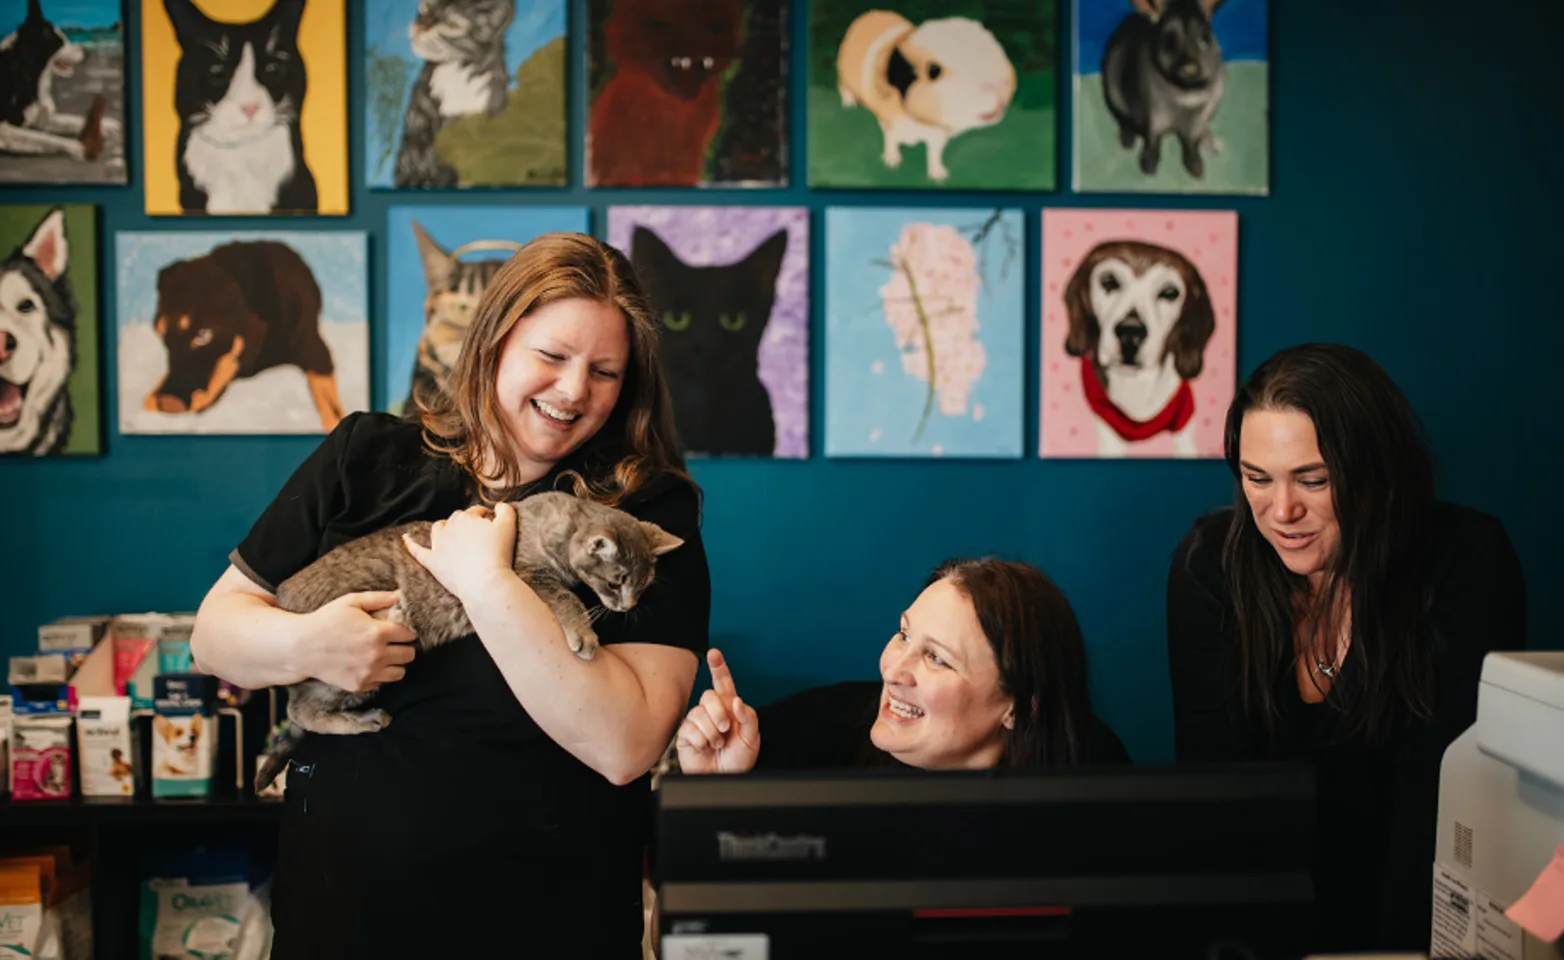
47, 247
437, 260
767, 258
186, 18
34, 11
662, 540
604, 548
285, 15
650, 256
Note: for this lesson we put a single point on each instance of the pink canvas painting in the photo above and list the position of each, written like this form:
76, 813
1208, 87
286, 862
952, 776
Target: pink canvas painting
1140, 332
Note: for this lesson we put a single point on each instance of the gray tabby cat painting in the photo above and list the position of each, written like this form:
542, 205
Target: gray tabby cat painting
442, 259
465, 93
563, 541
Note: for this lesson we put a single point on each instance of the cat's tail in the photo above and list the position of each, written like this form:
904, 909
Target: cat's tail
282, 748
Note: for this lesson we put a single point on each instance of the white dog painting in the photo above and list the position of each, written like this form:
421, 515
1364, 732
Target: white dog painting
1138, 332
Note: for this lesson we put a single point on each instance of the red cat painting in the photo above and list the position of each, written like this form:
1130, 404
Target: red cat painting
652, 122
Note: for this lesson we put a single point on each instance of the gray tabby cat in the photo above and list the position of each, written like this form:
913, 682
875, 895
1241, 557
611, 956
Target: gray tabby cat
561, 540
462, 44
453, 288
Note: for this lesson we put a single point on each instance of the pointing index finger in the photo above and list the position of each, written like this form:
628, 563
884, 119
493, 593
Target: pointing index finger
721, 677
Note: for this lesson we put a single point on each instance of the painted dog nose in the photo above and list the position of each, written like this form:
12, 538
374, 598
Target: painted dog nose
1131, 332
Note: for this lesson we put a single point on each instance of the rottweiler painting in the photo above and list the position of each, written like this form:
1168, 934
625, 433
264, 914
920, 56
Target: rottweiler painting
240, 309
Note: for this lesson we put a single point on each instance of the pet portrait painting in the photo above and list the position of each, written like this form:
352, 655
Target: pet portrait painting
929, 94
687, 93
62, 91
924, 331
730, 286
1172, 96
241, 332
49, 384
244, 107
441, 259
1139, 332
464, 93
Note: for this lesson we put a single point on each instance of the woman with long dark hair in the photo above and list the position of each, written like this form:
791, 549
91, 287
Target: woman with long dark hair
1340, 613
986, 669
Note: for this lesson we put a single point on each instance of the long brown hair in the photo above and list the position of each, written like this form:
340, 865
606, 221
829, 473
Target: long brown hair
1041, 655
635, 445
1382, 488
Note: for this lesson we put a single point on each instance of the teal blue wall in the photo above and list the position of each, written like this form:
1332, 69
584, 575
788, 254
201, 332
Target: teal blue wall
1414, 213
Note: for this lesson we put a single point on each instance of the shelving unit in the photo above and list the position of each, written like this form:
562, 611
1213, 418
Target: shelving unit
114, 833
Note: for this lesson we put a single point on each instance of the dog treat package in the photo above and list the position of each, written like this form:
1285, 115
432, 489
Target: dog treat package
136, 636
21, 909
41, 758
65, 883
105, 751
73, 636
198, 904
173, 647
184, 735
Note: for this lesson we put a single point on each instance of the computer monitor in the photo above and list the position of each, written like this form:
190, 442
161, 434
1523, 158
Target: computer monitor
1200, 861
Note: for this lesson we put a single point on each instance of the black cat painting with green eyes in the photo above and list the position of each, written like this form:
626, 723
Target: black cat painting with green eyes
728, 288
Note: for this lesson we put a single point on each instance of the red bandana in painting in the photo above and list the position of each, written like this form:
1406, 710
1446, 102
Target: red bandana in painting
1171, 418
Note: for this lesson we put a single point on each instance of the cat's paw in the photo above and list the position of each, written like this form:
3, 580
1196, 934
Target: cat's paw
938, 173
583, 643
892, 156
396, 613
848, 100
374, 720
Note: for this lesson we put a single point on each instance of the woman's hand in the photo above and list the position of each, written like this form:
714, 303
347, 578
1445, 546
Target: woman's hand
722, 733
467, 550
346, 647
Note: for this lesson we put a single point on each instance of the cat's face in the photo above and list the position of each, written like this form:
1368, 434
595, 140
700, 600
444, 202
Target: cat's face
616, 555
713, 318
682, 44
459, 30
236, 81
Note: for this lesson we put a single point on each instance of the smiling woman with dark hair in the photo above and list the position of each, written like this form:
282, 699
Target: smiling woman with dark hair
1340, 613
987, 669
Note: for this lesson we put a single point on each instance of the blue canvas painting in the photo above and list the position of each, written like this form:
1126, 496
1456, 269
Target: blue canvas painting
464, 94
924, 332
440, 261
195, 311
1172, 96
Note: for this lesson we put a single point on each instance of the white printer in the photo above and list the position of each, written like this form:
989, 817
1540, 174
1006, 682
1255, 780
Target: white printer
1501, 809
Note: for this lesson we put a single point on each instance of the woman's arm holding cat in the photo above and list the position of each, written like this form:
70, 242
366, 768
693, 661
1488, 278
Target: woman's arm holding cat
242, 636
616, 712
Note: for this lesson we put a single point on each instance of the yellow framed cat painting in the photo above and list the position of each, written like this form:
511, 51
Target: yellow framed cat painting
245, 107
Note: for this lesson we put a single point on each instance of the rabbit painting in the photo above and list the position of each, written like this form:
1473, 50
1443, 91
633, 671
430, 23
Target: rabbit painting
1162, 73
925, 84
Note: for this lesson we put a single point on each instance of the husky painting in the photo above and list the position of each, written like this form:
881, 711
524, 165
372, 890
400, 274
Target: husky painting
60, 97
37, 342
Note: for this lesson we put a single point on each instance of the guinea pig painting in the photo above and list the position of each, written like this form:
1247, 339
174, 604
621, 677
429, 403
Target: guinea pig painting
930, 95
1171, 96
1139, 333
241, 332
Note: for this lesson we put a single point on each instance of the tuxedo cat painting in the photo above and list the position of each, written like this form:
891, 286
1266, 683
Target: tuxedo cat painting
441, 261
687, 93
730, 287
465, 93
245, 107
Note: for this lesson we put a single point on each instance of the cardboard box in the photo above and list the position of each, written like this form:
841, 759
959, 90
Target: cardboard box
41, 758
105, 749
184, 735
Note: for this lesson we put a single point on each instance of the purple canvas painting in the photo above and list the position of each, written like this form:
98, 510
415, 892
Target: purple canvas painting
730, 286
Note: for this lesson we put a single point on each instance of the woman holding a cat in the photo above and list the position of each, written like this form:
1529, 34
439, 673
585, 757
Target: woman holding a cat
507, 800
1339, 614
986, 669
